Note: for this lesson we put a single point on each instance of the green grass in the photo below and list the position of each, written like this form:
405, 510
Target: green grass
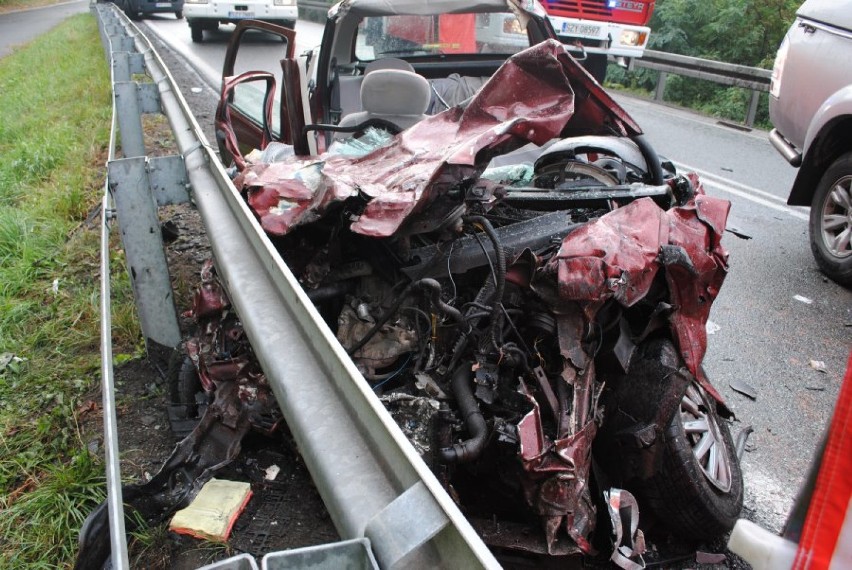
54, 131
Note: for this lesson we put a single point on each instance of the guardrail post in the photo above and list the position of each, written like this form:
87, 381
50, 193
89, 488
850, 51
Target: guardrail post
661, 86
752, 108
131, 186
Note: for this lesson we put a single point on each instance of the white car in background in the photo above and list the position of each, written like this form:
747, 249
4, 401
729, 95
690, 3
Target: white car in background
811, 109
208, 14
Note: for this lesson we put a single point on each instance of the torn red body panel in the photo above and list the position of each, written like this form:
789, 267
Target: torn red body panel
619, 255
405, 177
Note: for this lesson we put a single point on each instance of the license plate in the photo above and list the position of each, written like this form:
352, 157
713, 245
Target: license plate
584, 30
238, 15
163, 4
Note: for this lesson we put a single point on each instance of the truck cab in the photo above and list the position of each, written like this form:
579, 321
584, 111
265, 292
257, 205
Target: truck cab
602, 28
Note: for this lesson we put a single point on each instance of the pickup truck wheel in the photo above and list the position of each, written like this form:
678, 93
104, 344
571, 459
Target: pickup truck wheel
197, 32
698, 492
831, 221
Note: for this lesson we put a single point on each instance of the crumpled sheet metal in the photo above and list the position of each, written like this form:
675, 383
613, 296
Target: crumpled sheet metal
618, 256
529, 99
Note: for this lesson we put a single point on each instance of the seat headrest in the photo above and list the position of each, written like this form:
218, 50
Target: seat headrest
395, 92
388, 63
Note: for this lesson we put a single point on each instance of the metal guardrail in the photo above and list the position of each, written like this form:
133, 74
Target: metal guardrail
731, 74
370, 478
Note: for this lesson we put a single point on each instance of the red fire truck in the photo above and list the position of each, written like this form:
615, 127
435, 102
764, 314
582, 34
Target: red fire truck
602, 27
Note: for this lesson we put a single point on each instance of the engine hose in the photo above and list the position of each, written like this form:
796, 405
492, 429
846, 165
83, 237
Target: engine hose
500, 278
433, 288
469, 449
652, 160
329, 291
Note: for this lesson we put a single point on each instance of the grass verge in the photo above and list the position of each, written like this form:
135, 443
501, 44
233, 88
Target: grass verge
54, 131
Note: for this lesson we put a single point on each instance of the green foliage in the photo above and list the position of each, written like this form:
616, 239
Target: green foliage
737, 31
54, 129
746, 32
39, 525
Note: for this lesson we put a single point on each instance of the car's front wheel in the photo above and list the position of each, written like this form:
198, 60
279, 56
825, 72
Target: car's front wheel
831, 221
179, 14
698, 492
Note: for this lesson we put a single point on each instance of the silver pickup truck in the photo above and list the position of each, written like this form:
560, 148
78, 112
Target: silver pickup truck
811, 108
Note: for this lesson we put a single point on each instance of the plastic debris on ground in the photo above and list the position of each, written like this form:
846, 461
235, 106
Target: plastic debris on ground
804, 300
744, 388
272, 472
711, 327
213, 512
10, 361
819, 366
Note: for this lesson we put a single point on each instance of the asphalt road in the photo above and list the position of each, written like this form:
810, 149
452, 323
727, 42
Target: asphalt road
775, 315
20, 27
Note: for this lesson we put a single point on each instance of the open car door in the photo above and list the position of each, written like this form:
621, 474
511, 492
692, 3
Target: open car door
258, 106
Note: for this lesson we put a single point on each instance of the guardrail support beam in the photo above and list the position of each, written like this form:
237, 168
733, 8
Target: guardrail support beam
661, 86
752, 108
143, 246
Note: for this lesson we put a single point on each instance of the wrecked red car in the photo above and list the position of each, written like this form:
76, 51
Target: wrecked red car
520, 278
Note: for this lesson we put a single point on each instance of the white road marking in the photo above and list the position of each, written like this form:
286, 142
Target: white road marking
744, 191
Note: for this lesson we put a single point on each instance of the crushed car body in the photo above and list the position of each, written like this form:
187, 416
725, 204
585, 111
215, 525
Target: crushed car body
519, 278
520, 309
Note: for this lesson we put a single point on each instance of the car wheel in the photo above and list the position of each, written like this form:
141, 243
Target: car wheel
179, 14
831, 221
184, 387
197, 32
698, 493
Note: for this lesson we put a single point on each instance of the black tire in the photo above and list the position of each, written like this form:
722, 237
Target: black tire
831, 221
179, 14
197, 32
184, 385
129, 10
681, 495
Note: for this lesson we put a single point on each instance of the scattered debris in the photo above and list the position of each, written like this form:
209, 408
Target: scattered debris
54, 288
737, 232
709, 558
196, 89
815, 388
629, 542
711, 327
272, 472
743, 388
742, 440
10, 361
211, 515
804, 300
818, 365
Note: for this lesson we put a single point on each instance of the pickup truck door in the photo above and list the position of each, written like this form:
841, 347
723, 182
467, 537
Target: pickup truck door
258, 106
